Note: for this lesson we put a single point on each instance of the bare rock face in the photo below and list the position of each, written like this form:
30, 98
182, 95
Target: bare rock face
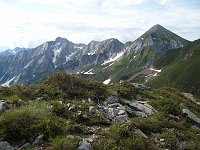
3, 105
30, 66
141, 107
5, 146
84, 145
159, 38
189, 96
191, 116
120, 110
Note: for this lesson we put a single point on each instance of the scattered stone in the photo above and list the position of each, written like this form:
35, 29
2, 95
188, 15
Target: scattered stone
182, 145
111, 100
192, 116
141, 86
25, 146
196, 128
121, 119
84, 145
173, 117
182, 104
140, 106
131, 113
5, 146
139, 97
155, 135
189, 96
70, 136
72, 108
68, 105
95, 99
79, 113
92, 110
114, 105
61, 102
89, 100
38, 140
39, 98
89, 140
138, 131
3, 105
122, 112
94, 137
162, 140
50, 139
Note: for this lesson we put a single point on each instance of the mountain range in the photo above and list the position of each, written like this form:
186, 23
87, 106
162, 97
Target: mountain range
149, 59
14, 51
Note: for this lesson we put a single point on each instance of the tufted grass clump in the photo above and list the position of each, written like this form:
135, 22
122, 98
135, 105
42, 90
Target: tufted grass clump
28, 122
60, 143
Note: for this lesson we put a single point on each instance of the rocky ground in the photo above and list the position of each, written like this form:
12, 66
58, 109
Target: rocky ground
74, 113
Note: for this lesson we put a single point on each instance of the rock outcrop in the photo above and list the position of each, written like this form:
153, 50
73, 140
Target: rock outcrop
5, 146
192, 117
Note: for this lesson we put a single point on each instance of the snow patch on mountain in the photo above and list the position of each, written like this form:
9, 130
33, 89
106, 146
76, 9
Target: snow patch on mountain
156, 71
70, 56
115, 58
7, 83
108, 65
89, 72
56, 53
28, 64
107, 81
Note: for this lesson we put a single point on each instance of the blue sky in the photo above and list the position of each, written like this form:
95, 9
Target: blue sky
28, 23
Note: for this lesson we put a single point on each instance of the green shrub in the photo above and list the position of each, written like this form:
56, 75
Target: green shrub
122, 137
61, 143
29, 121
77, 129
74, 87
59, 109
127, 90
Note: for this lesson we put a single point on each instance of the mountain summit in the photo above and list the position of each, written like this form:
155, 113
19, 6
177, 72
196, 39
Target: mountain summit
158, 38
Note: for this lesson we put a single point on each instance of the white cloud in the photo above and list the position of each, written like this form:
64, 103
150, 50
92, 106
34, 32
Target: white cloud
28, 23
163, 2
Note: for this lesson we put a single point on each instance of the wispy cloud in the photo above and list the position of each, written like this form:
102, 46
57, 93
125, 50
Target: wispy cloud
27, 23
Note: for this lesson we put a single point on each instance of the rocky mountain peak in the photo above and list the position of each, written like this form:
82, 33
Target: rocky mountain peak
157, 28
158, 38
62, 40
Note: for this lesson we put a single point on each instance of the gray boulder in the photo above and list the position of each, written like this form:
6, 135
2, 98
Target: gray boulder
84, 145
5, 146
3, 105
111, 100
38, 140
139, 97
138, 131
189, 96
25, 146
192, 116
141, 86
196, 128
140, 106
131, 113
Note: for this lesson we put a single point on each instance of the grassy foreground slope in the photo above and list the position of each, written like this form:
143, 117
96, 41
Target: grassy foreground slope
181, 69
64, 109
